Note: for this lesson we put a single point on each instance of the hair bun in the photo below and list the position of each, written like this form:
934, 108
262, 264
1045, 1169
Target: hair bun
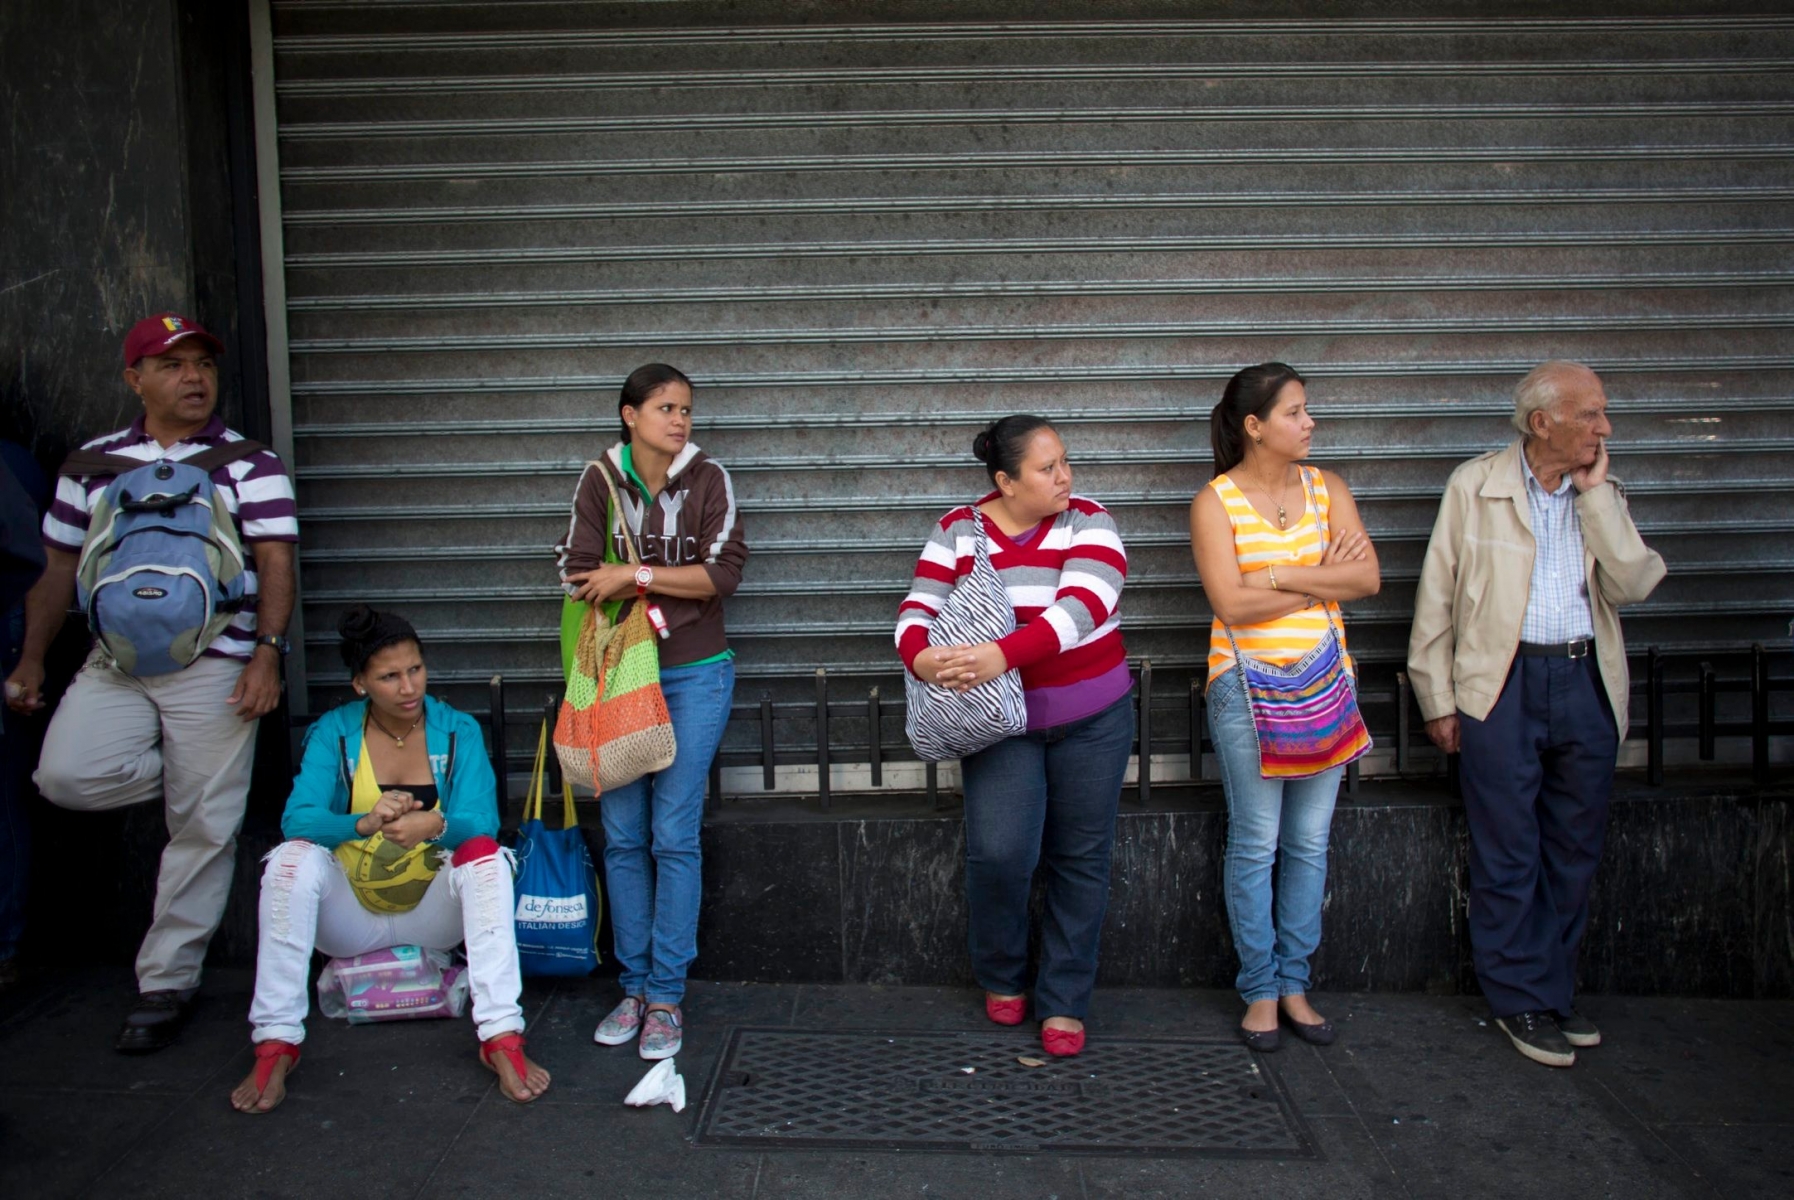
358, 623
366, 632
981, 444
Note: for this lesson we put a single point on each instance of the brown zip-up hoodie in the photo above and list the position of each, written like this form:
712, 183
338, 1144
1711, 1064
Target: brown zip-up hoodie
693, 522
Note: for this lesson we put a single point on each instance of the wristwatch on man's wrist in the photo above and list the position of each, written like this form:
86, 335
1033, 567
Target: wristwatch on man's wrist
280, 644
644, 579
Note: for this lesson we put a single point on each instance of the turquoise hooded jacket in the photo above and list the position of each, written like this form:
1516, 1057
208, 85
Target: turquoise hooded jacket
318, 809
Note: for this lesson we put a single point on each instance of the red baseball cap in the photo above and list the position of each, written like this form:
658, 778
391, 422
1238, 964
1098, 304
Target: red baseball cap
154, 335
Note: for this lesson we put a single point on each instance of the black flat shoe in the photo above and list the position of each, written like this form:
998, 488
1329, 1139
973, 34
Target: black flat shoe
1262, 1040
1578, 1030
153, 1023
1315, 1035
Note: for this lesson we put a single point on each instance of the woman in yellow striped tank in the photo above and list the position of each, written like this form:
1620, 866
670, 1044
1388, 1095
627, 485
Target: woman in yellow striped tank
1278, 545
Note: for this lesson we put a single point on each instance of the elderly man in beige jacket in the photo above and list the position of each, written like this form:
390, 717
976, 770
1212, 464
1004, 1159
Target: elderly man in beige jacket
1520, 668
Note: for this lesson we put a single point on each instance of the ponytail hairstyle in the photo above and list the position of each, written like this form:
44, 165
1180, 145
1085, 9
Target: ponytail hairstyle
365, 633
1251, 393
1001, 446
642, 383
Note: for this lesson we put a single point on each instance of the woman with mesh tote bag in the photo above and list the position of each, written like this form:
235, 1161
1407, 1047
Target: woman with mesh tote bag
655, 523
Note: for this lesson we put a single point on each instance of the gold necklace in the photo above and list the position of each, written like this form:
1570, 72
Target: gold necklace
1282, 516
397, 738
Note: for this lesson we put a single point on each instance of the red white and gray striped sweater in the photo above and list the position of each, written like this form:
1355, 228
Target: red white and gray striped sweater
1064, 584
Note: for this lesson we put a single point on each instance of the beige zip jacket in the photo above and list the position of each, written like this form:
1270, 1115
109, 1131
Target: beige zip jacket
1478, 575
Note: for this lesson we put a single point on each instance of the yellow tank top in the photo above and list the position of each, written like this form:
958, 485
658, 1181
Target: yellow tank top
385, 877
1258, 544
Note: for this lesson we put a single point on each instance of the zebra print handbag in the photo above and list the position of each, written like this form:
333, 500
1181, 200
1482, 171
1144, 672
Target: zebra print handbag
941, 723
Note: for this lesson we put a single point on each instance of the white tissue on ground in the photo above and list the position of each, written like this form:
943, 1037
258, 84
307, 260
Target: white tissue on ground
662, 1085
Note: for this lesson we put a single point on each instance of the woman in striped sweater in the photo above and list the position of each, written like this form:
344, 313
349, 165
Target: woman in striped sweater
1052, 792
1257, 534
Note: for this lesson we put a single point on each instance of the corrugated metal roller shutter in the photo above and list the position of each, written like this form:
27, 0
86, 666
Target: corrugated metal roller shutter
863, 240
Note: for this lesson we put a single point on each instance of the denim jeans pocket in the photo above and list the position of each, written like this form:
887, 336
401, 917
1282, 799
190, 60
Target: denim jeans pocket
1222, 691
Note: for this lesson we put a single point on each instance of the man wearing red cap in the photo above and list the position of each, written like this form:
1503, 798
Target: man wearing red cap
186, 737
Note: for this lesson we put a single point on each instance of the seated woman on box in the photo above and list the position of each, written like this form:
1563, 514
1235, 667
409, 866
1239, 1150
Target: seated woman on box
390, 842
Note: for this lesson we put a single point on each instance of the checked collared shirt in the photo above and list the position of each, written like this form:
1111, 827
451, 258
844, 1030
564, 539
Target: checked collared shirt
1557, 607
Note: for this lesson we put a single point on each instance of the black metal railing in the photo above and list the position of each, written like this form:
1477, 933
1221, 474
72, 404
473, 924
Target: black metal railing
868, 730
1707, 686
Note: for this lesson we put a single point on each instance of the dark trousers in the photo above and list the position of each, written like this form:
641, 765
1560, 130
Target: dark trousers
18, 754
1537, 775
15, 835
1048, 794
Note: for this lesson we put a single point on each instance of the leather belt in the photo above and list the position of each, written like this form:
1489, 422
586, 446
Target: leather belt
1581, 648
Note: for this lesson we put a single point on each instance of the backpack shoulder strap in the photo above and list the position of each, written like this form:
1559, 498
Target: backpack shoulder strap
89, 463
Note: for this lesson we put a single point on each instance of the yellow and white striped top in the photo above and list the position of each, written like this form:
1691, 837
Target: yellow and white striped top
1258, 544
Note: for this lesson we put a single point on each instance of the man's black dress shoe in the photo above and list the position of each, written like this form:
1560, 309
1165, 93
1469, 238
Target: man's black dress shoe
154, 1022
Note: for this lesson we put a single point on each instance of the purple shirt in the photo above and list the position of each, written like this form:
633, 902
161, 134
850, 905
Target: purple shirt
1050, 706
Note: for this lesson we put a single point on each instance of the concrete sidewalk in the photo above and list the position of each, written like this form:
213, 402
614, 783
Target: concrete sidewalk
1420, 1097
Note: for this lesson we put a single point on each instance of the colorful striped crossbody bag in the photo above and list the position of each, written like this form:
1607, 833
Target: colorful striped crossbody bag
1305, 714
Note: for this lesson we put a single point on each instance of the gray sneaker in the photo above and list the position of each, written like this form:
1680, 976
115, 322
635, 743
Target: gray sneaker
1578, 1030
1536, 1035
624, 1021
662, 1033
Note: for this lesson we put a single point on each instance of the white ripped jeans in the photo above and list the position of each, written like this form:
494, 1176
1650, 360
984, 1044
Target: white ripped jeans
307, 903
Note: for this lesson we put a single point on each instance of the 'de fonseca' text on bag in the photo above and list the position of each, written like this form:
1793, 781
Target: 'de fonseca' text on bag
557, 888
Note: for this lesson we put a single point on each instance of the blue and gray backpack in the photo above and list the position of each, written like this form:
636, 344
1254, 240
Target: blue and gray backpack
161, 572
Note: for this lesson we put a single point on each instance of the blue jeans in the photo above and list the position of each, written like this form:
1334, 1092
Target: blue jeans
1286, 820
652, 863
1052, 794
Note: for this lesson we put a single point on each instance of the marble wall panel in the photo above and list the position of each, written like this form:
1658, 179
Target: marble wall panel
772, 903
903, 901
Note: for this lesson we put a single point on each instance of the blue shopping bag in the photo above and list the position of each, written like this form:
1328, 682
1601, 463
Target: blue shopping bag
557, 889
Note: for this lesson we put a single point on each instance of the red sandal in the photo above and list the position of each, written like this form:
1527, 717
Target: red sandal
266, 1055
511, 1046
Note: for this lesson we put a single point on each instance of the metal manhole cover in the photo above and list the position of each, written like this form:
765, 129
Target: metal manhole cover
966, 1093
